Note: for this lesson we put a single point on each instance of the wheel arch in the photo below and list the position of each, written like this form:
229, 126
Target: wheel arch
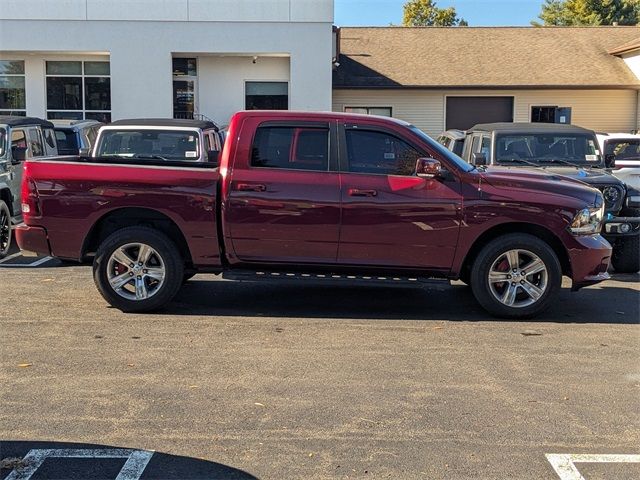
135, 216
516, 227
7, 197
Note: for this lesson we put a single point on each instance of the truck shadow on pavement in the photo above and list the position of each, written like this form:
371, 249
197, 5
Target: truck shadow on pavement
80, 461
429, 301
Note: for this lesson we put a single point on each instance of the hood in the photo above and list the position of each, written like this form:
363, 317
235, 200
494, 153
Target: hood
594, 176
541, 180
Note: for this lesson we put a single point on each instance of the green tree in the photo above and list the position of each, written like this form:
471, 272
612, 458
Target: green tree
589, 12
425, 13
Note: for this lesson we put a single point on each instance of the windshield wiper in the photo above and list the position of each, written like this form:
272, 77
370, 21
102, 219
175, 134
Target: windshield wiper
564, 162
518, 160
150, 157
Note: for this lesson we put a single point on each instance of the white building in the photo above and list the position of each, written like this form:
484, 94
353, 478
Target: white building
112, 59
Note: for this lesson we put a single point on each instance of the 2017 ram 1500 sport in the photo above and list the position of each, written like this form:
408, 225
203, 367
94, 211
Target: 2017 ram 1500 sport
320, 194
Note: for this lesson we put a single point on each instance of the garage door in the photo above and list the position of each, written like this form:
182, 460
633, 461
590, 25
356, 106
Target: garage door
465, 112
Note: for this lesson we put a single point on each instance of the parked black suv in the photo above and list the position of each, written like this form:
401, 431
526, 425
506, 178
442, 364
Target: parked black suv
20, 138
569, 151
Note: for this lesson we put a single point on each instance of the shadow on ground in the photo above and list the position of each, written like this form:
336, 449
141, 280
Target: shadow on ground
81, 461
613, 304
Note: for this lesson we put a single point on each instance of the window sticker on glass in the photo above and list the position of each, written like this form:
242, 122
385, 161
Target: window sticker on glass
591, 158
191, 154
389, 156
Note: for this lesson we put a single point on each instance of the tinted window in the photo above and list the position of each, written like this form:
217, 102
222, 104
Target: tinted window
379, 153
625, 149
292, 148
485, 147
37, 150
159, 144
67, 142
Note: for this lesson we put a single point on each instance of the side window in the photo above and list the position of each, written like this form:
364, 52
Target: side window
18, 139
50, 141
379, 153
37, 150
207, 144
485, 147
291, 148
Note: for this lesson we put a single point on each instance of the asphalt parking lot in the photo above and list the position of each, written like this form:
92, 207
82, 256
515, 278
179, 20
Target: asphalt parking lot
276, 380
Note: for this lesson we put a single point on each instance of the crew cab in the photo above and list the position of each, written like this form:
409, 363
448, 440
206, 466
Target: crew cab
20, 138
566, 150
175, 140
305, 195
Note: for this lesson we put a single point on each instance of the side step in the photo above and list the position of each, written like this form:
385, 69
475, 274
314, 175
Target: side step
253, 276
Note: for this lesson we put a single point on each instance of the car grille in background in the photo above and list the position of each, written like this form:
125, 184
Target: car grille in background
613, 197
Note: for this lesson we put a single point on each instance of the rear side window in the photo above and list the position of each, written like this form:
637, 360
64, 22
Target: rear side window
37, 150
379, 153
302, 148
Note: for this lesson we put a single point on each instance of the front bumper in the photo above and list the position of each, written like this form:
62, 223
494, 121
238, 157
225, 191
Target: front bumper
32, 240
590, 256
618, 227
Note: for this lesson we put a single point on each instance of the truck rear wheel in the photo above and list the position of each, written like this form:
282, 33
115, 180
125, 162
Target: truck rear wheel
138, 269
5, 229
516, 276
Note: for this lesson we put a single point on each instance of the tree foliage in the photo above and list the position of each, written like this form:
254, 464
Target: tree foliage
589, 12
425, 13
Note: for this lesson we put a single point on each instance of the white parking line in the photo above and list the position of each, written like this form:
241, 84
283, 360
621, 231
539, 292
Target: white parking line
564, 464
133, 468
7, 258
38, 262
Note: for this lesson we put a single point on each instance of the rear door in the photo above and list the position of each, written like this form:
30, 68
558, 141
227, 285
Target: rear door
390, 216
284, 194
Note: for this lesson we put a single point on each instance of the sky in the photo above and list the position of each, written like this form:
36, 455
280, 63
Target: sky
476, 12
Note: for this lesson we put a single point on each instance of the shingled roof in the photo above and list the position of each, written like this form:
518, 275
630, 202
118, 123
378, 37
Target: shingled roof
483, 57
627, 47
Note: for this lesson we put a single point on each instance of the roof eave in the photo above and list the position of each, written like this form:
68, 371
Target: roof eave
635, 86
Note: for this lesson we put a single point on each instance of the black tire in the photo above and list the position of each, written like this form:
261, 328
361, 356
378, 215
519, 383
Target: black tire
5, 229
626, 255
165, 257
497, 249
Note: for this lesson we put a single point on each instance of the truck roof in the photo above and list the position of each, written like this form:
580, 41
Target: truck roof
17, 121
320, 116
529, 128
165, 122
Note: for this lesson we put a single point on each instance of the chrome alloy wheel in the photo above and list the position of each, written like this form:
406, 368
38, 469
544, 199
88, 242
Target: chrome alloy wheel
5, 232
518, 278
136, 271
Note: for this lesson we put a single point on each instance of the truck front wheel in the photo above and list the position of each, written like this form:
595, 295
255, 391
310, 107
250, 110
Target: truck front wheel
626, 255
516, 276
138, 269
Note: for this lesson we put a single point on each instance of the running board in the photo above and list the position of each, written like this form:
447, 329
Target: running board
247, 275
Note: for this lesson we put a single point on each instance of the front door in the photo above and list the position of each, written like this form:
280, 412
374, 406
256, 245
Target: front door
284, 206
391, 217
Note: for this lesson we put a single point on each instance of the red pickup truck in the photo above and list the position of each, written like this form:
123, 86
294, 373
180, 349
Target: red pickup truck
317, 194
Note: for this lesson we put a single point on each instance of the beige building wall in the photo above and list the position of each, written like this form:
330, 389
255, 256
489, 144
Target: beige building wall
602, 110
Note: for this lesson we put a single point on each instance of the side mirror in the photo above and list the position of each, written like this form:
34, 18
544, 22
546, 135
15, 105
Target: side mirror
428, 168
479, 158
610, 160
212, 156
18, 154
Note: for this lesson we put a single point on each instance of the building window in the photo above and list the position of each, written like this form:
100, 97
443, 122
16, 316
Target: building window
543, 114
78, 90
267, 96
185, 87
382, 111
12, 88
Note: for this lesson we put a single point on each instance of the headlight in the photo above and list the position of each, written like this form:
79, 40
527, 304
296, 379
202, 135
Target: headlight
611, 195
587, 221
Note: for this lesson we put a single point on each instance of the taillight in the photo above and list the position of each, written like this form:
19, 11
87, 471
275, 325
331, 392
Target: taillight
30, 207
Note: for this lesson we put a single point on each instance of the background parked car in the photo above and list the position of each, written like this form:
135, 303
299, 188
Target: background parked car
453, 140
572, 152
20, 138
76, 137
623, 153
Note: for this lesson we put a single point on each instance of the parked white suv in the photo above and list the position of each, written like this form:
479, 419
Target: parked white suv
622, 152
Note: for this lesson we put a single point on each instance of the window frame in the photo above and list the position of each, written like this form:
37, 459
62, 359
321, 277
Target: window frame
344, 153
22, 112
333, 163
83, 92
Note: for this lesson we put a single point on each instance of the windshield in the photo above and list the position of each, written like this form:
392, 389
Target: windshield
174, 145
623, 149
546, 148
3, 141
452, 157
